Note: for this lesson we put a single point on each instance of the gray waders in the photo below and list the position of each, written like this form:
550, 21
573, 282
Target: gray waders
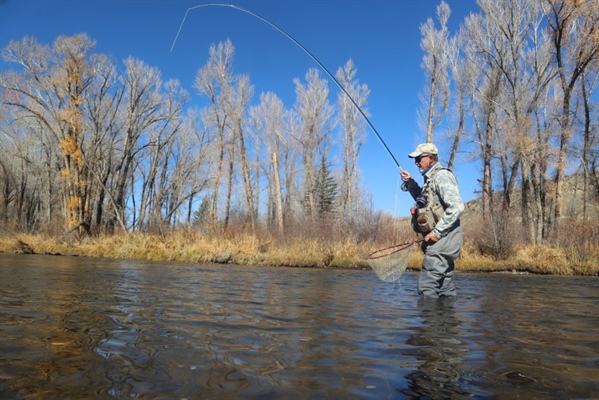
436, 277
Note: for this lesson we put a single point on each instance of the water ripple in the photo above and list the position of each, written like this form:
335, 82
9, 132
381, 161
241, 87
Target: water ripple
90, 328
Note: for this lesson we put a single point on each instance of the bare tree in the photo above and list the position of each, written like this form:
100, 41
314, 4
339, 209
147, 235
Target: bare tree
268, 122
484, 92
574, 28
196, 146
214, 80
525, 73
157, 187
188, 173
463, 74
51, 93
353, 137
315, 112
590, 143
141, 111
289, 161
21, 188
239, 105
435, 94
102, 104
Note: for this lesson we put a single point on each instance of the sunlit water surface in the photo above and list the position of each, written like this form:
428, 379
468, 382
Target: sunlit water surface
79, 328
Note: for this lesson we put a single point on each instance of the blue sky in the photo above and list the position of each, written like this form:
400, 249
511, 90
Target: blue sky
382, 37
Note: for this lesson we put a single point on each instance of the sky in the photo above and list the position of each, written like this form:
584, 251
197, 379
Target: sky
382, 37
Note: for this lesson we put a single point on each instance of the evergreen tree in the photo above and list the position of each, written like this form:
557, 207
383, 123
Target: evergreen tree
201, 216
325, 189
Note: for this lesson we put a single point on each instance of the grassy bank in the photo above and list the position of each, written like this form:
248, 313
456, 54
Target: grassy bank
250, 250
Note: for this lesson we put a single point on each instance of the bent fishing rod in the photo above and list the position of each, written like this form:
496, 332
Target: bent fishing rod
301, 46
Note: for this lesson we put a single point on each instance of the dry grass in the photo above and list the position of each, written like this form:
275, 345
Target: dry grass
247, 249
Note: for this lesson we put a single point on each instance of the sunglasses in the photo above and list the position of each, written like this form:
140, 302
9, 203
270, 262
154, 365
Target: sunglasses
417, 159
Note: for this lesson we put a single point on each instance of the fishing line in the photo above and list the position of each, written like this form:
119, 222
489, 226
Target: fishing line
306, 51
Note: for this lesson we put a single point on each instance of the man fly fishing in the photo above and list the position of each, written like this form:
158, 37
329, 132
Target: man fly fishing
436, 215
442, 233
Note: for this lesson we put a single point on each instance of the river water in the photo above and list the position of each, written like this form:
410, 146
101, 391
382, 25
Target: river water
84, 328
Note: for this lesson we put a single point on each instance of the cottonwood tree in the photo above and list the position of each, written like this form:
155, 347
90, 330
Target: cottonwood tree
214, 80
33, 166
229, 97
574, 27
267, 120
195, 147
529, 57
102, 103
525, 74
543, 136
590, 143
484, 93
315, 113
238, 108
353, 135
49, 94
157, 189
72, 79
463, 74
20, 183
435, 93
495, 48
289, 161
188, 172
140, 112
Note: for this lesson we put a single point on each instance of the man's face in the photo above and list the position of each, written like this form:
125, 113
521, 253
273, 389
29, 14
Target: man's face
423, 162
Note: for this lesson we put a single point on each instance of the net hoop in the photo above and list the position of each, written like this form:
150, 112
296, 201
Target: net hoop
388, 251
390, 262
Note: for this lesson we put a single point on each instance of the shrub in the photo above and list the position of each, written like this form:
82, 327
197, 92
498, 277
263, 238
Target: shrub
498, 237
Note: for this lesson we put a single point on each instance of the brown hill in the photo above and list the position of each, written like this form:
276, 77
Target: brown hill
573, 202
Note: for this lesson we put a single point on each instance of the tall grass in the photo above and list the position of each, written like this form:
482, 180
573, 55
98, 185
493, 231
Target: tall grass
316, 245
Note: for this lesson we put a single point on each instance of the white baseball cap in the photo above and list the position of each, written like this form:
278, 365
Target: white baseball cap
424, 148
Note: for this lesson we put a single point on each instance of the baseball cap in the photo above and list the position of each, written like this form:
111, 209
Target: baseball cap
423, 148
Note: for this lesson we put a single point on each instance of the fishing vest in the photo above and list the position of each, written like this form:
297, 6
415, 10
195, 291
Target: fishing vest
428, 209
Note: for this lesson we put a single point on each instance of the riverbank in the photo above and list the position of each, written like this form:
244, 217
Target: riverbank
186, 246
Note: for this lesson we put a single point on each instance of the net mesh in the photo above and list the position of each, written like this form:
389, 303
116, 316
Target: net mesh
389, 263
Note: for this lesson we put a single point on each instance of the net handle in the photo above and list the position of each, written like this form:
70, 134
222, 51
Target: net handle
400, 247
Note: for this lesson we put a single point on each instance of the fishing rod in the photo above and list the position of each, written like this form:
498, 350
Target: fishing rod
301, 46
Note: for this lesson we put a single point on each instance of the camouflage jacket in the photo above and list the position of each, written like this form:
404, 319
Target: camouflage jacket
446, 191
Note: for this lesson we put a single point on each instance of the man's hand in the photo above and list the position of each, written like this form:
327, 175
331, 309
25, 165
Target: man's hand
405, 175
431, 237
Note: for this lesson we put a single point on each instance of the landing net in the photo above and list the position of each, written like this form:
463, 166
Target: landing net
389, 263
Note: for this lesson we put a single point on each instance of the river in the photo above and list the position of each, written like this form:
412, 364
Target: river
86, 328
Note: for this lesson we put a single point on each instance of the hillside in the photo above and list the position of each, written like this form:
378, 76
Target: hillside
573, 199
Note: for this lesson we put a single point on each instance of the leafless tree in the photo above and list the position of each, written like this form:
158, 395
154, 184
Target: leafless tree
102, 104
238, 108
525, 73
289, 162
590, 143
315, 113
353, 137
574, 26
49, 94
483, 93
435, 94
214, 80
463, 75
140, 112
268, 122
158, 190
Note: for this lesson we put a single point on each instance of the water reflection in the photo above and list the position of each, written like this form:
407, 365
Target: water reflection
97, 329
437, 345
